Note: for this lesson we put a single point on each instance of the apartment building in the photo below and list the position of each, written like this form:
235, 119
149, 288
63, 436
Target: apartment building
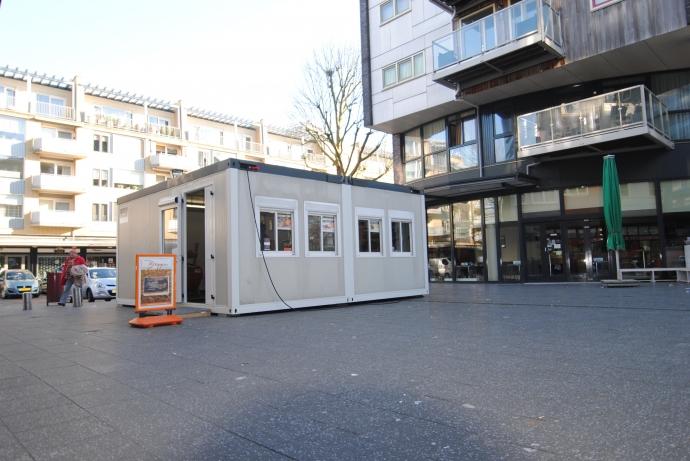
69, 150
501, 112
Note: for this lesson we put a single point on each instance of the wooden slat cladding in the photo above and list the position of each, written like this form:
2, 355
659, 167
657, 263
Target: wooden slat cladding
587, 33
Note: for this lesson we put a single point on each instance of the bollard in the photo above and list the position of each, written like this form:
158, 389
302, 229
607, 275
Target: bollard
76, 296
26, 298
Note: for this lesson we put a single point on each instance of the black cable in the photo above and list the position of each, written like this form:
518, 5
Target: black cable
261, 248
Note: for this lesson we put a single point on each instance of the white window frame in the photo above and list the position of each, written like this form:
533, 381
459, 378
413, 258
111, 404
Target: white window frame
593, 7
101, 177
158, 120
274, 204
53, 202
109, 140
55, 164
100, 209
401, 216
397, 64
322, 209
396, 13
371, 213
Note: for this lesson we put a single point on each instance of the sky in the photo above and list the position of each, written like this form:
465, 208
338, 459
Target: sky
243, 58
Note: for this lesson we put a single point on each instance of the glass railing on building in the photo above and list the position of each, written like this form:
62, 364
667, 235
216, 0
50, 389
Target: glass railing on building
496, 30
54, 110
590, 119
163, 130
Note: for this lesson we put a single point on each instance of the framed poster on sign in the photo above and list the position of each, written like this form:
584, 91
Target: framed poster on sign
155, 282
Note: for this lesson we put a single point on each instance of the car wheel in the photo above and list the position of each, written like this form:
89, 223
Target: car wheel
89, 295
108, 299
4, 293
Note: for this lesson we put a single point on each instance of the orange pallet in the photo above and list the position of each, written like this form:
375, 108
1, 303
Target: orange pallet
155, 321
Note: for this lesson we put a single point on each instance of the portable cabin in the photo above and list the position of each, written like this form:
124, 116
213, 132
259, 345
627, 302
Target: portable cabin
252, 237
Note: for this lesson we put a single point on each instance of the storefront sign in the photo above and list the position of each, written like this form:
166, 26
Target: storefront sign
155, 282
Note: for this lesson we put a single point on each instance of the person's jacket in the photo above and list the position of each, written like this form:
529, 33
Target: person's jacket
69, 262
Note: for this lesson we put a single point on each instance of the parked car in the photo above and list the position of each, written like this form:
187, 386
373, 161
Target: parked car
15, 282
101, 283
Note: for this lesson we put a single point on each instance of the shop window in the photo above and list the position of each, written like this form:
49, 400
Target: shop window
323, 221
491, 243
583, 199
277, 227
638, 199
677, 232
507, 208
438, 226
401, 228
369, 231
468, 241
462, 133
504, 137
541, 203
675, 196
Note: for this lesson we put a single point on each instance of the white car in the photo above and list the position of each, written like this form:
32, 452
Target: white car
101, 284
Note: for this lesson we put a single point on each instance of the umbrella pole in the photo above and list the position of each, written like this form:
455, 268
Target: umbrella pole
618, 267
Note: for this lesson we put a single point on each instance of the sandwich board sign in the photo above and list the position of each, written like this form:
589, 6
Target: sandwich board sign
155, 290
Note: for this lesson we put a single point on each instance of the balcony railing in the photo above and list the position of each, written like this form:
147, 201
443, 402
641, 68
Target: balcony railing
499, 29
7, 101
54, 110
58, 184
620, 114
51, 218
172, 162
164, 130
69, 149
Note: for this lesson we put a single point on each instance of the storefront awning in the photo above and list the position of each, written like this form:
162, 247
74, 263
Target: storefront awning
481, 186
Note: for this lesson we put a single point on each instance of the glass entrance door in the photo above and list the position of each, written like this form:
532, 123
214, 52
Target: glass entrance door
587, 255
544, 251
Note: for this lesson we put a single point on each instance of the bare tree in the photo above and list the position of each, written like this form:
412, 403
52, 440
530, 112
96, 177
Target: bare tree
329, 109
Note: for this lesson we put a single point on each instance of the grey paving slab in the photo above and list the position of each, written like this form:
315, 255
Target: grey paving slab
32, 420
62, 434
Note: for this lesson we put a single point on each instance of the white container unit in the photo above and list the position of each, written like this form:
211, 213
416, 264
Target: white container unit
253, 237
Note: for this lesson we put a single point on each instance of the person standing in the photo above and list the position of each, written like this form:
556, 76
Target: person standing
66, 278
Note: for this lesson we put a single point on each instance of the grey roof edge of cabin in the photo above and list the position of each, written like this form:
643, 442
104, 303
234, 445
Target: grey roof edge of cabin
256, 167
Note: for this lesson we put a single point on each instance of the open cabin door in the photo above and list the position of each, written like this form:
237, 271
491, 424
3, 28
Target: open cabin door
171, 239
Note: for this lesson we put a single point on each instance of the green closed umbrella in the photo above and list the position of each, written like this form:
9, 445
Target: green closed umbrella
612, 208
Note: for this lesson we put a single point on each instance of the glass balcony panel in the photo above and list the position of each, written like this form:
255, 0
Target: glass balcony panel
630, 106
548, 20
413, 170
489, 32
567, 121
444, 52
502, 27
535, 128
471, 40
524, 18
436, 163
463, 157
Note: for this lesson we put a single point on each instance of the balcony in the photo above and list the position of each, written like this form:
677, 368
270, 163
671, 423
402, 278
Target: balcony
632, 118
512, 39
171, 162
68, 149
251, 148
45, 218
45, 109
7, 101
163, 130
58, 184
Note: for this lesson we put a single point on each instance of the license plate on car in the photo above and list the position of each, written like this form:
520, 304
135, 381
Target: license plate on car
24, 289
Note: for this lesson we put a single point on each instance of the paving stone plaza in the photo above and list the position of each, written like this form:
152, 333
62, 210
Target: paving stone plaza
470, 372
